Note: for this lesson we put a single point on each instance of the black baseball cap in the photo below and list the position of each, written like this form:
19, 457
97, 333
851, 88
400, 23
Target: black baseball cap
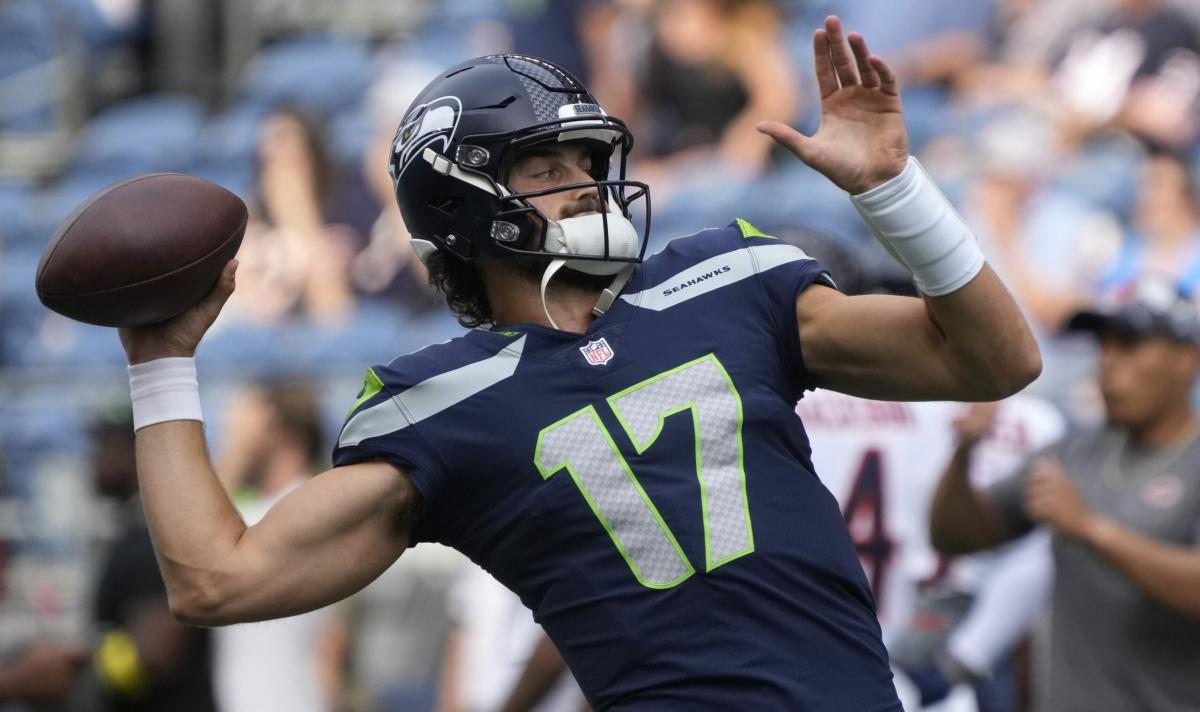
1151, 306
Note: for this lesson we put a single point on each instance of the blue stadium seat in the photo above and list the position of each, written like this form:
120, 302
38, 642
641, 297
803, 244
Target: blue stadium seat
1105, 174
27, 48
54, 203
226, 148
321, 72
15, 211
439, 43
232, 134
144, 135
59, 342
348, 134
18, 265
38, 422
797, 195
252, 351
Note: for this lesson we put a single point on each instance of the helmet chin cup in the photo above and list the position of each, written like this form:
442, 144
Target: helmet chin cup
586, 235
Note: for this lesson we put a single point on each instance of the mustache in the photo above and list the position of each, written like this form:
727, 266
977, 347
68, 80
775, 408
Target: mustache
590, 203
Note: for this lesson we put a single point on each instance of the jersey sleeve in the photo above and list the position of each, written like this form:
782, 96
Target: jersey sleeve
784, 271
378, 428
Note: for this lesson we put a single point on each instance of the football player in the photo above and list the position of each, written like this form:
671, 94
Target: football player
617, 443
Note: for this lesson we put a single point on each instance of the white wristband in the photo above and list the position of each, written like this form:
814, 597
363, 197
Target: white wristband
164, 389
916, 224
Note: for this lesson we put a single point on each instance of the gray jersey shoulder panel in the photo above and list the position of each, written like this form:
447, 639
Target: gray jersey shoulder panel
714, 273
431, 396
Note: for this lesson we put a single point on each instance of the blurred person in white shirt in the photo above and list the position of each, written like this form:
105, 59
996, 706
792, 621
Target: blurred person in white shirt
273, 443
491, 643
882, 461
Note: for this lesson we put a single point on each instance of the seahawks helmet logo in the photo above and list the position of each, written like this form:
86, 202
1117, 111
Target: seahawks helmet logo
430, 124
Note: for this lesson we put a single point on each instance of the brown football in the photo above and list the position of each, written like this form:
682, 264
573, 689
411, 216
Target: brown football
141, 251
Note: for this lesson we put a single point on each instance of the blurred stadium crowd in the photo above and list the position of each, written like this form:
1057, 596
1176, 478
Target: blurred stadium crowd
1067, 132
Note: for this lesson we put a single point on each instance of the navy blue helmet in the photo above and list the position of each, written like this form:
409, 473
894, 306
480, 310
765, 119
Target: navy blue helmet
460, 137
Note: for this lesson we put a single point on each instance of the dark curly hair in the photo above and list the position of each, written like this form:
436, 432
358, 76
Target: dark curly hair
466, 295
459, 281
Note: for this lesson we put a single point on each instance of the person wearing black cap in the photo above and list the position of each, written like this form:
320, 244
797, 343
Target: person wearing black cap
1122, 502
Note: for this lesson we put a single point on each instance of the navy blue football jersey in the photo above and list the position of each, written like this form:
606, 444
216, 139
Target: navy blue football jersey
646, 487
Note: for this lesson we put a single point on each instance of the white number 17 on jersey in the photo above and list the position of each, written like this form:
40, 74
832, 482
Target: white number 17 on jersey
582, 446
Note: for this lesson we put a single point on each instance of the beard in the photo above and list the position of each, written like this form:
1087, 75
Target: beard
532, 267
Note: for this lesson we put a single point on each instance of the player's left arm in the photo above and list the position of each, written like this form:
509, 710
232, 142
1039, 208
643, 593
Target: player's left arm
970, 345
1167, 572
967, 339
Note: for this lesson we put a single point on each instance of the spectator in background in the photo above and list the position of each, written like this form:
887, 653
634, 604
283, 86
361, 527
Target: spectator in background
579, 36
273, 444
941, 620
714, 69
490, 649
1135, 55
293, 261
377, 650
1164, 236
1122, 503
971, 614
1060, 254
931, 41
388, 267
147, 661
399, 625
1003, 56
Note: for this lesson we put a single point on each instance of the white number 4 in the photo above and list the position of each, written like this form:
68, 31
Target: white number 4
582, 446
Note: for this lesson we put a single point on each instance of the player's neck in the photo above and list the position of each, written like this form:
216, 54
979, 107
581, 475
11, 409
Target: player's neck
516, 300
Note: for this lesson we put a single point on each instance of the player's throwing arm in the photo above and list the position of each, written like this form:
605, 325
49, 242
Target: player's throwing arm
967, 339
324, 541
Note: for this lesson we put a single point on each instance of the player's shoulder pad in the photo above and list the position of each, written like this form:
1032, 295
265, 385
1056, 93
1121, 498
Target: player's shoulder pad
426, 382
737, 234
711, 259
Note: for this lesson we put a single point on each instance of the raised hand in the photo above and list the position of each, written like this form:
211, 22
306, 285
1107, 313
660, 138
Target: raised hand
862, 141
179, 335
974, 424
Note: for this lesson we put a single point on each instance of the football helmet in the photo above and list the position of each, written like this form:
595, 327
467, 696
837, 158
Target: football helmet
459, 139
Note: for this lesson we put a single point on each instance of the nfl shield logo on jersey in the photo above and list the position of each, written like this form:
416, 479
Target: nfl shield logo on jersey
597, 352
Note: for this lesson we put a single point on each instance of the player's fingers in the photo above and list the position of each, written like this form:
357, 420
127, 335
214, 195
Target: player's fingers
887, 78
228, 279
213, 301
789, 138
839, 49
827, 81
858, 45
